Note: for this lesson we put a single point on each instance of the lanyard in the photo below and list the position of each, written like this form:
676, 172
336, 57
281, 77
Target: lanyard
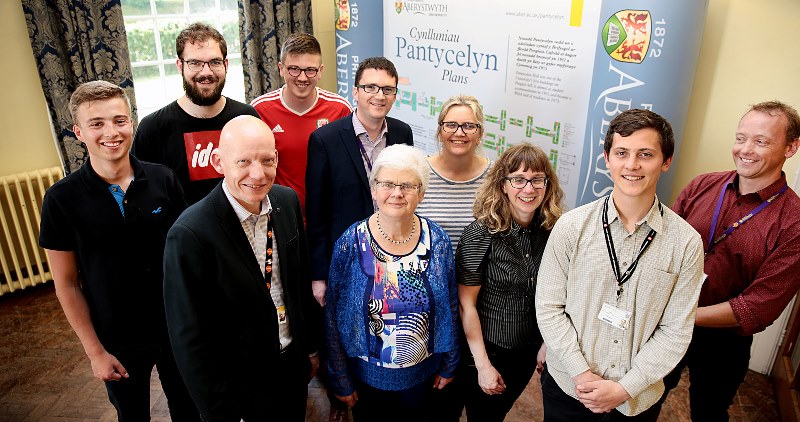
364, 155
268, 260
612, 254
713, 242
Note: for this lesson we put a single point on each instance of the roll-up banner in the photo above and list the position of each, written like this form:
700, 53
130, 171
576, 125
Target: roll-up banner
550, 73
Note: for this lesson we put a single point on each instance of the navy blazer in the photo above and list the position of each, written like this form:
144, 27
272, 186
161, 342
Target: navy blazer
222, 321
337, 185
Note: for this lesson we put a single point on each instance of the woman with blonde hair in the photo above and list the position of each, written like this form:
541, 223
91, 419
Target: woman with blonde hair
458, 169
496, 263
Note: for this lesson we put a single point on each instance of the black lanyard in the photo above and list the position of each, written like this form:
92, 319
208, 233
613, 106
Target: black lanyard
612, 254
268, 260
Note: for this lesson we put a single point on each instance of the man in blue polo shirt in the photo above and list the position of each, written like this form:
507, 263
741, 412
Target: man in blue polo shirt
104, 228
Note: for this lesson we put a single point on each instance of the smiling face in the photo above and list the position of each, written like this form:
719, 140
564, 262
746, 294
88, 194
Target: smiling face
248, 159
525, 201
203, 87
105, 127
459, 143
373, 108
300, 87
636, 163
393, 202
761, 149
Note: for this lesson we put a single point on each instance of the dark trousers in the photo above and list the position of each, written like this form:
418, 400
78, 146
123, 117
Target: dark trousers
285, 397
131, 396
392, 406
560, 406
717, 361
516, 366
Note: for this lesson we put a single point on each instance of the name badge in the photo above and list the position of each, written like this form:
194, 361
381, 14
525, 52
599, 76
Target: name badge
617, 318
281, 315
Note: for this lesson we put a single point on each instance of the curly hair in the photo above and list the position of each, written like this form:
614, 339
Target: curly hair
492, 206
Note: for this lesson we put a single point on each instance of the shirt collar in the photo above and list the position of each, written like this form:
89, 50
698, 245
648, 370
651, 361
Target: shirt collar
93, 180
653, 218
359, 128
241, 213
765, 193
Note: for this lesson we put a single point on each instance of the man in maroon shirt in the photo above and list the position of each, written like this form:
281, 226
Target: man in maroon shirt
750, 223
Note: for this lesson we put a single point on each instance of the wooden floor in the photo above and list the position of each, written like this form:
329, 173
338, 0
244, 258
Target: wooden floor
45, 376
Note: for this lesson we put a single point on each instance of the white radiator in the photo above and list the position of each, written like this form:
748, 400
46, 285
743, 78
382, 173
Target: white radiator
23, 262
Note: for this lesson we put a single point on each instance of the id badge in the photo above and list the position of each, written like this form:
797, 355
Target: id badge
281, 315
616, 317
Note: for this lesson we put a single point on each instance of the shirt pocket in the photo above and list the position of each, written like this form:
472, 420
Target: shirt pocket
654, 290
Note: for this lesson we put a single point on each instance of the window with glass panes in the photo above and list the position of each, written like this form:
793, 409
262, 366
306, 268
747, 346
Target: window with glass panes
153, 25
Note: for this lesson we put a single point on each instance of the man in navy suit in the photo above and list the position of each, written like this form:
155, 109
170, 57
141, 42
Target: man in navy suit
237, 288
340, 157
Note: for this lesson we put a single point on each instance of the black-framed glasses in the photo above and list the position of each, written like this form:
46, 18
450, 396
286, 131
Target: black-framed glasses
198, 65
295, 71
389, 186
468, 127
520, 182
373, 89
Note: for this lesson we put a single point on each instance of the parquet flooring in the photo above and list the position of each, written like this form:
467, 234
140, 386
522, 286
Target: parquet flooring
45, 376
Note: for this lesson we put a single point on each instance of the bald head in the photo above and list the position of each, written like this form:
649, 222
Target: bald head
246, 156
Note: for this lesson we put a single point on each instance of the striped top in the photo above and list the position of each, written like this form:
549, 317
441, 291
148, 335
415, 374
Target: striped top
449, 203
505, 265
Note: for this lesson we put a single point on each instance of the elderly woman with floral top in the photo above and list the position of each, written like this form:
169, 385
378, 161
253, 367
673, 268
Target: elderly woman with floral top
391, 304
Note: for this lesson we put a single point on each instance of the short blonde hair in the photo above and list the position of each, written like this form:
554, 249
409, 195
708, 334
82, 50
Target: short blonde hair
461, 100
491, 205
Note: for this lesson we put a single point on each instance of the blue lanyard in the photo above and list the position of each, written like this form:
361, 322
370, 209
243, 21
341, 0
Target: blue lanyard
364, 155
713, 242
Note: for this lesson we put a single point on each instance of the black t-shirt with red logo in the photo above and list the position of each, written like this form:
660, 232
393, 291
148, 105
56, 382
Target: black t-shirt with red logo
182, 142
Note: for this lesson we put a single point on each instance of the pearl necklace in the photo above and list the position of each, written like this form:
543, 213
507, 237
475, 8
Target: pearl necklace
386, 236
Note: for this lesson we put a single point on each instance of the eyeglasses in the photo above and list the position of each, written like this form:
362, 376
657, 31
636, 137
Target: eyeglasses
373, 89
198, 65
452, 127
309, 71
521, 182
389, 187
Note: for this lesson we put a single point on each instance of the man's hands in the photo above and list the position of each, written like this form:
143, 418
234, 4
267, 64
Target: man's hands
106, 367
440, 382
350, 400
597, 394
314, 366
540, 358
490, 381
318, 288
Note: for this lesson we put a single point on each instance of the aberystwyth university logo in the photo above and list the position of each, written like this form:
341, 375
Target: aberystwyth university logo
626, 35
342, 15
398, 6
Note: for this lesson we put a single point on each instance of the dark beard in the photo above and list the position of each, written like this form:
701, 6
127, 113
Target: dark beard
197, 97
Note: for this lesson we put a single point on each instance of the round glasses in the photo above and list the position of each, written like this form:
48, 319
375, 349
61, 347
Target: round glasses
452, 127
521, 182
296, 71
